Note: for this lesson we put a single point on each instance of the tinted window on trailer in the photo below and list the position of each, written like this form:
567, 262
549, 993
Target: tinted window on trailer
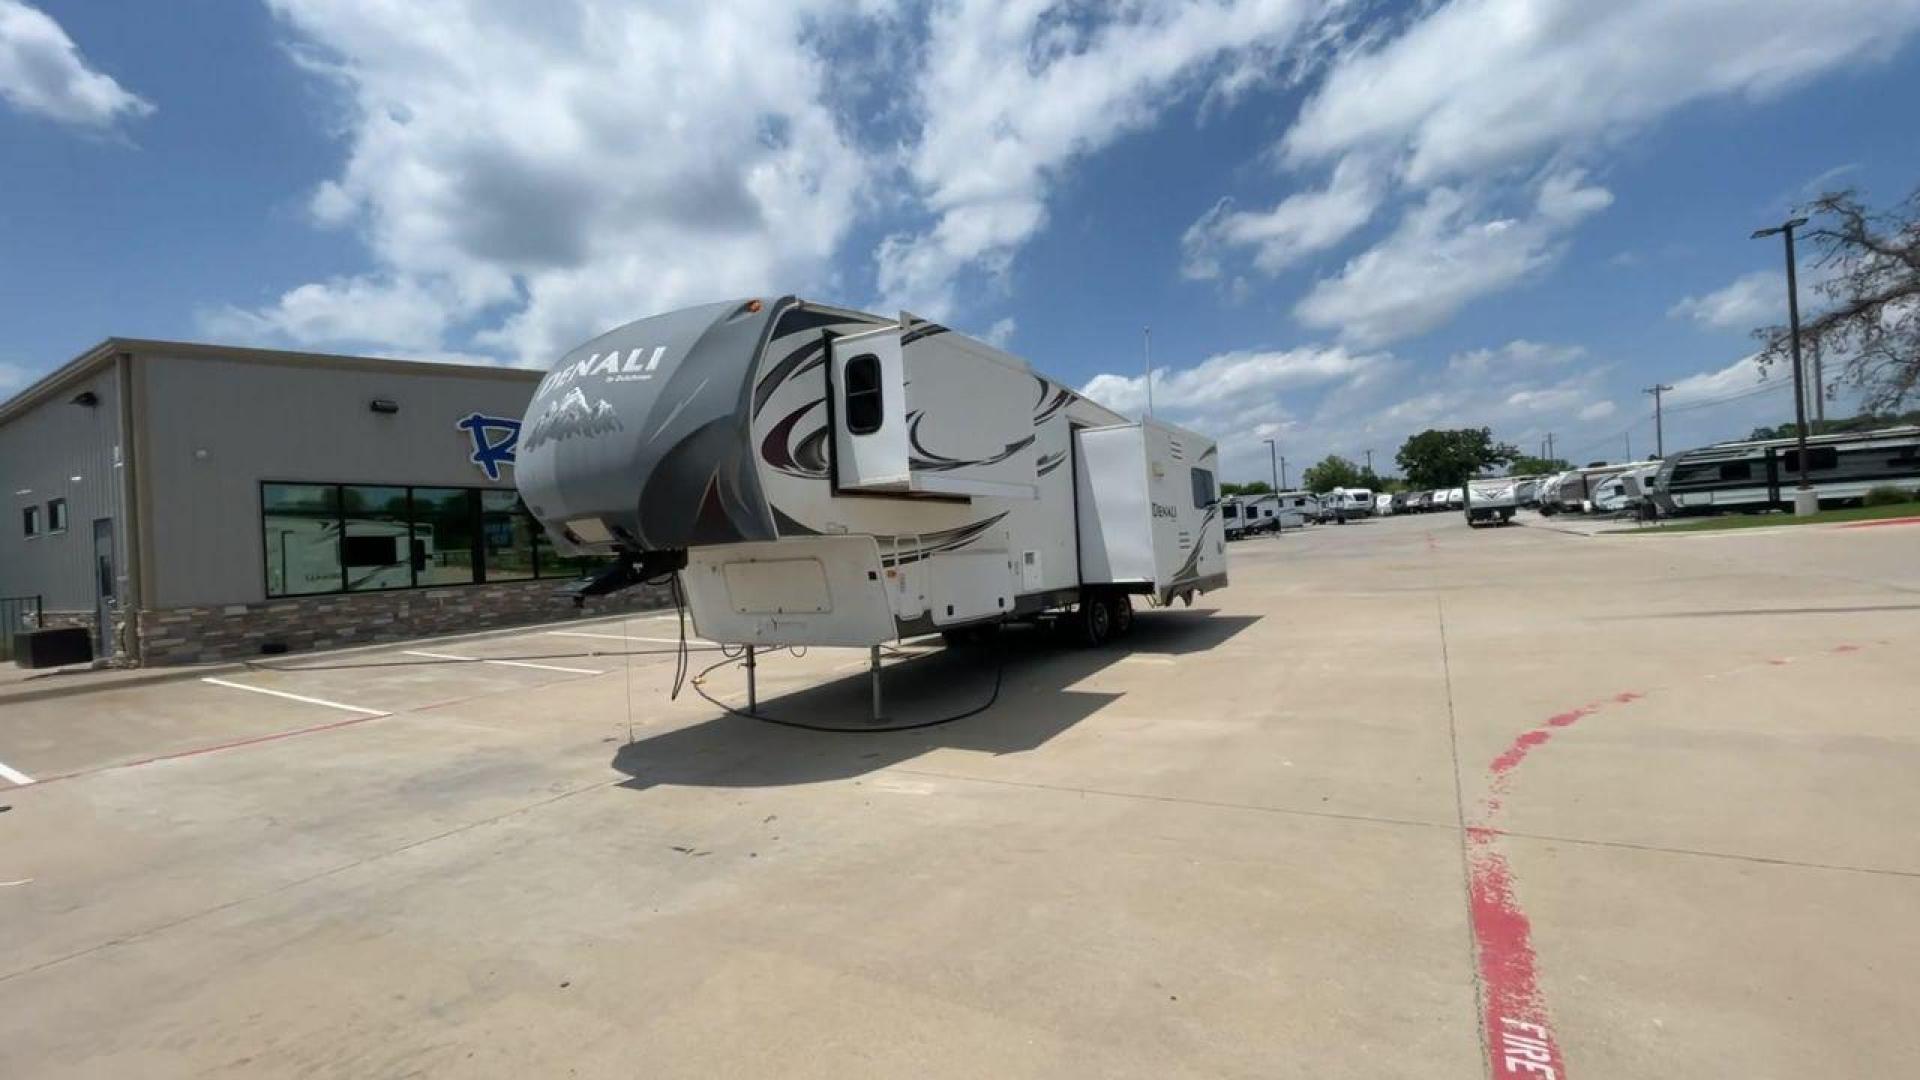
1818, 457
1736, 470
1203, 496
865, 408
57, 515
30, 520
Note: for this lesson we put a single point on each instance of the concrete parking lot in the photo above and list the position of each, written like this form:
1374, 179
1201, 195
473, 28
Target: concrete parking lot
1407, 799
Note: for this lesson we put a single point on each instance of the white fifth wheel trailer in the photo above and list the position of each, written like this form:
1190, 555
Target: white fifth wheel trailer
821, 476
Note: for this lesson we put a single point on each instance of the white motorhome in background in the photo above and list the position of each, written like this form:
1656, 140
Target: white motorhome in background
824, 476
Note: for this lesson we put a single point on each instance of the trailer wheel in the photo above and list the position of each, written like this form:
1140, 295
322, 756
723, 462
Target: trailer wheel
1122, 615
1096, 621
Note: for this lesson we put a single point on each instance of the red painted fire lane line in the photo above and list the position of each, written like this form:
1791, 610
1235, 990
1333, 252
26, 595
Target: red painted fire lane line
1883, 521
1519, 1035
1519, 1040
1519, 1032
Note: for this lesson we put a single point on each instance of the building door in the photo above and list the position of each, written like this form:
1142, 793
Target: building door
103, 586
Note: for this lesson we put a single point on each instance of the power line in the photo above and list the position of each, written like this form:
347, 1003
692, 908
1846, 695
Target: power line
1753, 392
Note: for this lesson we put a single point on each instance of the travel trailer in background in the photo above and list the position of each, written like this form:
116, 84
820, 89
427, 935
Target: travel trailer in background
1250, 515
1490, 499
1297, 508
1353, 502
822, 476
1762, 475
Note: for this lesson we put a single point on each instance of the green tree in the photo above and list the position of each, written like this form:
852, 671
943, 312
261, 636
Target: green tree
1257, 487
1863, 422
1332, 471
1446, 458
1528, 465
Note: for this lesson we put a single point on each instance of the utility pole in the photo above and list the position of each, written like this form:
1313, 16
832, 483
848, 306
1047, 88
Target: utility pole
1369, 461
1659, 437
1628, 437
1805, 501
1146, 346
1549, 446
1283, 474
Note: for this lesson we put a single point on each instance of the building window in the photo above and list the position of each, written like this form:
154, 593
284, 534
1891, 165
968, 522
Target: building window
1203, 495
332, 538
30, 521
302, 527
443, 536
865, 407
507, 531
56, 515
376, 547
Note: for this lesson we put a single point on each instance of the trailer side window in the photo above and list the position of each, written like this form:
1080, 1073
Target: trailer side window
1818, 457
1736, 470
1203, 495
865, 409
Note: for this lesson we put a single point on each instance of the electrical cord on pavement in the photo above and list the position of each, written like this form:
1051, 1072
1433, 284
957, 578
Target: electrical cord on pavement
999, 675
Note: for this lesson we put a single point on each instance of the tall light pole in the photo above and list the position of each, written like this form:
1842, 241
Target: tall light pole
1273, 462
1369, 461
1805, 501
1659, 437
1283, 473
1819, 388
1146, 346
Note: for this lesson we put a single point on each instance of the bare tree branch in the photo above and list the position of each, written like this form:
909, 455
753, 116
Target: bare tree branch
1871, 318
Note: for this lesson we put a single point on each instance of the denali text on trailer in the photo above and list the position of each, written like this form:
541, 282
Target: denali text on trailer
820, 476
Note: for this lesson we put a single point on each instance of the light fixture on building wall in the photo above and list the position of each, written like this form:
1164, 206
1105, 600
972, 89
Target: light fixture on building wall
86, 399
384, 405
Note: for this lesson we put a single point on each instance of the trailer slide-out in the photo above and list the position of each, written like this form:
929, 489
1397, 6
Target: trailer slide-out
821, 476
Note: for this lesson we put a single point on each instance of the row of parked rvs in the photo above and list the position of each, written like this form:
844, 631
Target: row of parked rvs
1749, 476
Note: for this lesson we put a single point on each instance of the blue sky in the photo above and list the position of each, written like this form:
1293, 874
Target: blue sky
1345, 222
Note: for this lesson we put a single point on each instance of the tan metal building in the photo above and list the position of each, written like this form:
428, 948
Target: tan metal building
199, 502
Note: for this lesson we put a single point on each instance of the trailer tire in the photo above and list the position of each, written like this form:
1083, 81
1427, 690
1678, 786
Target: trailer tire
1095, 622
1122, 615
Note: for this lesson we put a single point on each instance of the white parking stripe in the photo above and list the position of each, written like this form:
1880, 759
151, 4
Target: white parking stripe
504, 663
294, 697
630, 637
14, 774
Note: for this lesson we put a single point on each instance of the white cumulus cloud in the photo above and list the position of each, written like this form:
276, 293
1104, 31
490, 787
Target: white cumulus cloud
526, 177
1749, 301
1444, 254
1298, 226
42, 72
1470, 97
1012, 95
